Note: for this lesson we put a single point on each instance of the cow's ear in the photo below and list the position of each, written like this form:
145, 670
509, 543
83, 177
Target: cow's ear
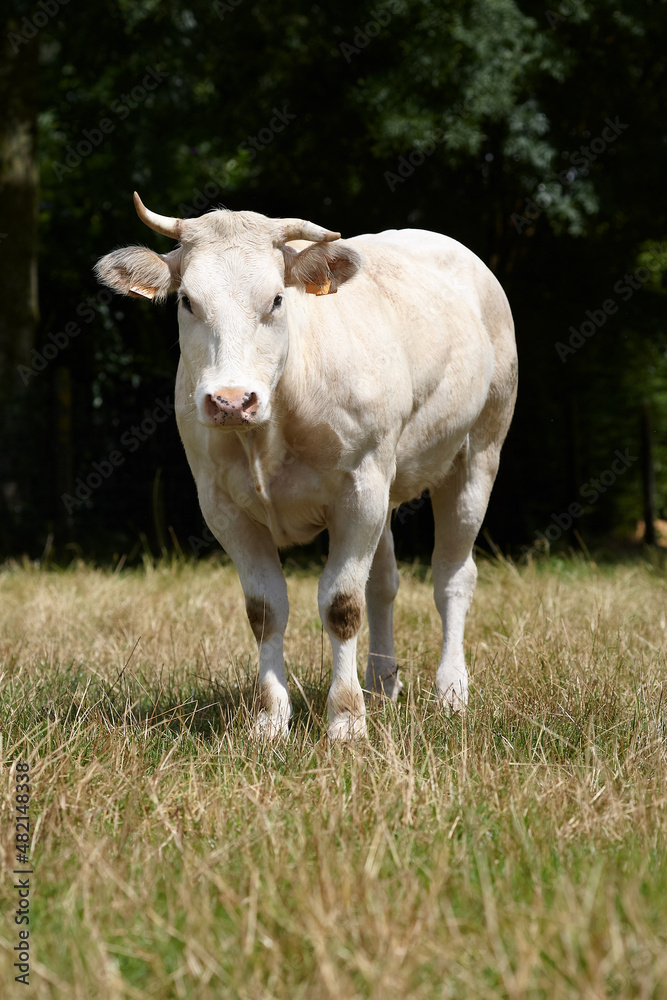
322, 267
140, 272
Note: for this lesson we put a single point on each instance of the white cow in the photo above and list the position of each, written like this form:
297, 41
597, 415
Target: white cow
302, 411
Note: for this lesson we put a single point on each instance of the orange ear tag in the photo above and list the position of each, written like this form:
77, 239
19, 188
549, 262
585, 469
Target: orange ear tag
320, 289
142, 292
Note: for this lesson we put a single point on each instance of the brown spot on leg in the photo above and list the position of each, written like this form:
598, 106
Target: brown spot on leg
344, 616
260, 617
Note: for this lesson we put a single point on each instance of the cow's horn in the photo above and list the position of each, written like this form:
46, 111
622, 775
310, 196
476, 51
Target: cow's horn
159, 223
297, 229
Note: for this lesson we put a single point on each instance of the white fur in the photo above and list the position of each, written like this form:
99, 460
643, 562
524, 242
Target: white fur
402, 381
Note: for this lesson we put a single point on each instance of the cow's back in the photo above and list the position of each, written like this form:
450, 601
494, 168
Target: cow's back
440, 341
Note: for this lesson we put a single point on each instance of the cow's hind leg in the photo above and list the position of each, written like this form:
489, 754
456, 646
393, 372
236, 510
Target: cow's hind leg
381, 670
459, 506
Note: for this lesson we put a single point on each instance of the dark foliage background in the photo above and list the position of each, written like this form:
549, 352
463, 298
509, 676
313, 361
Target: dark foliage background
534, 135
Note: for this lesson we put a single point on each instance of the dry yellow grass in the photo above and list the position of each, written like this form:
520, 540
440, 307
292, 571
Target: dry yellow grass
517, 853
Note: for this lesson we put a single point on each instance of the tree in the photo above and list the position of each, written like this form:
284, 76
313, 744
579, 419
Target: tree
534, 136
19, 175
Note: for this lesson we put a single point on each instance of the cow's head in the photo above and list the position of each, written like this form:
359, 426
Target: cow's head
231, 271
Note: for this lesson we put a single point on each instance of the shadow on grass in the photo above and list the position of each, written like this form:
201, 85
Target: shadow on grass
537, 721
200, 705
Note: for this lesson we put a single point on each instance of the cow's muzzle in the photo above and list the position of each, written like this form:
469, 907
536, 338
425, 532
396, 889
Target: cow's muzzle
231, 407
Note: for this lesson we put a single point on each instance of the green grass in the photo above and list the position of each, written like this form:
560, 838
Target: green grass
518, 852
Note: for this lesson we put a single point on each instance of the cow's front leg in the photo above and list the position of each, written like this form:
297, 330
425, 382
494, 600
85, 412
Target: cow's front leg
255, 556
267, 615
354, 530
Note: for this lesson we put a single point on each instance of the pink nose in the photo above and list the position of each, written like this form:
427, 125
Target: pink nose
231, 407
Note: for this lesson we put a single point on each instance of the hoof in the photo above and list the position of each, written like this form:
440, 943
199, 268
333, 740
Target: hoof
347, 727
267, 727
384, 687
454, 699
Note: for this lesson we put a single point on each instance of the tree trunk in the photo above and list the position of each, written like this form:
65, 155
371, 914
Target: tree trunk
19, 180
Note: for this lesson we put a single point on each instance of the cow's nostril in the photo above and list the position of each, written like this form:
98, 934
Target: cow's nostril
231, 407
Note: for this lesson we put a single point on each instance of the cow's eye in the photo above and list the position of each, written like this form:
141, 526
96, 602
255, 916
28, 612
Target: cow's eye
277, 302
185, 302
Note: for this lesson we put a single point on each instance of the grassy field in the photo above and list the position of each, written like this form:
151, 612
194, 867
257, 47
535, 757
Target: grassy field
520, 852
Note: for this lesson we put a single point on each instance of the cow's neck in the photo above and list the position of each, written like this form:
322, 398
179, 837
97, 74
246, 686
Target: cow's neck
257, 447
272, 446
267, 452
